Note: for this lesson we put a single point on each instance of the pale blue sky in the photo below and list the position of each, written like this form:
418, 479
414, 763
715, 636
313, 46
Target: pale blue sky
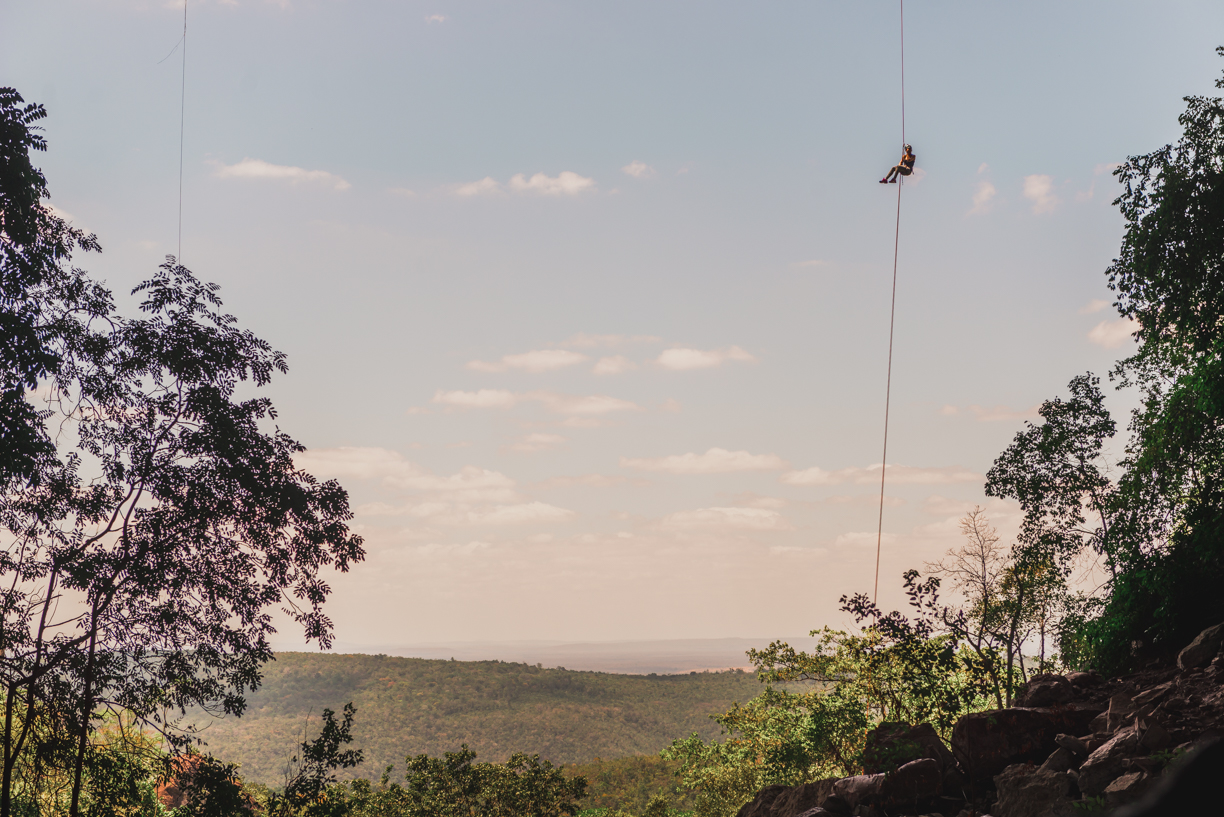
329, 146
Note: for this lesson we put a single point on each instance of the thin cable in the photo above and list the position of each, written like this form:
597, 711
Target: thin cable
892, 314
182, 120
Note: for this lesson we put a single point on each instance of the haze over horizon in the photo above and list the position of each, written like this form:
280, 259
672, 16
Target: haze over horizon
587, 305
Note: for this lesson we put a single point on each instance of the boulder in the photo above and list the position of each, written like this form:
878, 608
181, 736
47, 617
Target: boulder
1026, 791
1045, 690
1107, 763
1084, 680
1121, 707
1072, 744
1202, 649
1059, 761
1152, 736
862, 789
1127, 789
891, 745
800, 799
985, 743
917, 780
762, 804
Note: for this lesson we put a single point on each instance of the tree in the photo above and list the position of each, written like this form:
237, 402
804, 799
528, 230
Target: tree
1056, 471
1169, 279
34, 246
1007, 600
175, 521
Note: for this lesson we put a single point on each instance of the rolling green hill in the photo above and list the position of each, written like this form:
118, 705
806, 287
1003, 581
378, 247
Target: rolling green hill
410, 706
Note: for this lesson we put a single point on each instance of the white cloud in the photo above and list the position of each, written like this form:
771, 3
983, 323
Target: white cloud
436, 18
401, 191
553, 401
584, 341
982, 168
537, 442
671, 405
458, 514
575, 404
815, 262
949, 410
1039, 189
487, 186
982, 197
616, 364
1112, 334
685, 359
258, 169
567, 183
539, 360
1093, 306
639, 170
520, 514
760, 519
897, 474
484, 398
469, 484
714, 461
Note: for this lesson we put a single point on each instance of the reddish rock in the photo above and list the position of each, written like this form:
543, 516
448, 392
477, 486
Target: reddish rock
1202, 649
915, 781
1107, 762
862, 789
1127, 789
762, 804
985, 743
798, 800
891, 745
1025, 791
1045, 690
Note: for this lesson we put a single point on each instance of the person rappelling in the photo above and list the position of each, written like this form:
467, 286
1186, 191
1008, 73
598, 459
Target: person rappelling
902, 168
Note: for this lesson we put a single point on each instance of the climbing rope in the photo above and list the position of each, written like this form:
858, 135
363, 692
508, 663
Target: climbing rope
182, 120
891, 321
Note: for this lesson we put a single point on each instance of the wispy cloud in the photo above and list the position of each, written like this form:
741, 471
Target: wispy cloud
616, 364
814, 262
593, 404
1112, 334
1039, 189
1094, 306
538, 441
685, 359
758, 519
713, 461
487, 186
436, 18
566, 183
482, 398
897, 475
258, 169
639, 170
536, 361
982, 197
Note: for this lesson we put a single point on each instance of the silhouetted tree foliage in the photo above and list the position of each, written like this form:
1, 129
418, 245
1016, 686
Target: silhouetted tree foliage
142, 551
35, 245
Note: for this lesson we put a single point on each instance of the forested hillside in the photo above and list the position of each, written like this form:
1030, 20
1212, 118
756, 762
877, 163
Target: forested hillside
411, 706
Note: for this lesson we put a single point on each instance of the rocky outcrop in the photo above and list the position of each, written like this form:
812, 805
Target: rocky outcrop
1077, 738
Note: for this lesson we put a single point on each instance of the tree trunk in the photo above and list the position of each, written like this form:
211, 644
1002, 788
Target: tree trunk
86, 713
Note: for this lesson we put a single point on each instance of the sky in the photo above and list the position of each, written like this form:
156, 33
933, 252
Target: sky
587, 304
